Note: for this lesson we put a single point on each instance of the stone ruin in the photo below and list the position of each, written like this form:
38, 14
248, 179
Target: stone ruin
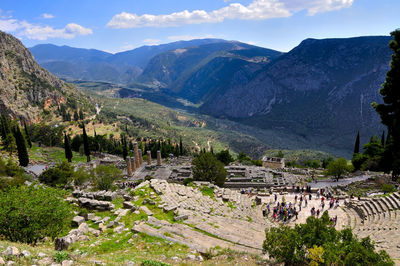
273, 162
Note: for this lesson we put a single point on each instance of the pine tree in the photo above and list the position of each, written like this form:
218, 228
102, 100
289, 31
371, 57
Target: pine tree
67, 147
86, 143
28, 137
389, 111
357, 144
23, 156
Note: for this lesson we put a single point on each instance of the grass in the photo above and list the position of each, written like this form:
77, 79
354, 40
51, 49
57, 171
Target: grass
207, 191
53, 154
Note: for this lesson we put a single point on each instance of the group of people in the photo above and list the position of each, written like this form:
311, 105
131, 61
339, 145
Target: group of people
285, 211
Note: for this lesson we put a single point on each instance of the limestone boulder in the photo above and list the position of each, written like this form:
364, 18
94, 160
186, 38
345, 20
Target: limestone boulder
11, 251
77, 221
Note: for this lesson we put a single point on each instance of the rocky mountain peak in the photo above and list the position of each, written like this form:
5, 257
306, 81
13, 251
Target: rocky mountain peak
26, 88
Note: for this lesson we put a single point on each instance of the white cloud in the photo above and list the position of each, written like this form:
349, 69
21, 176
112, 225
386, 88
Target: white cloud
151, 41
47, 16
39, 32
316, 6
256, 10
189, 37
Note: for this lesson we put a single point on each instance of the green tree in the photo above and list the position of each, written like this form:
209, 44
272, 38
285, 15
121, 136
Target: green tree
10, 143
280, 154
389, 110
67, 148
338, 168
28, 136
317, 241
23, 156
28, 214
180, 146
85, 143
357, 144
206, 167
225, 157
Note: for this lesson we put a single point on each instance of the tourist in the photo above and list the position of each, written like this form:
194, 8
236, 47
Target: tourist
305, 202
317, 212
276, 197
309, 196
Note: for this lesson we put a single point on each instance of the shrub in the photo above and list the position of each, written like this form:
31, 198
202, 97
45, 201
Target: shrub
60, 256
387, 188
27, 214
105, 175
187, 181
57, 176
154, 263
80, 176
318, 241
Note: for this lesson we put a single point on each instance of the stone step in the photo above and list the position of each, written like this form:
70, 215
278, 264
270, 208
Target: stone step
375, 206
366, 211
395, 201
396, 195
387, 203
383, 206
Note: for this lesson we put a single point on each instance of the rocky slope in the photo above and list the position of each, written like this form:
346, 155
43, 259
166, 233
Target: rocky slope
322, 90
27, 89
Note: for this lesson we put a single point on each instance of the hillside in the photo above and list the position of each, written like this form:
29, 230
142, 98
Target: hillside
28, 91
189, 72
322, 90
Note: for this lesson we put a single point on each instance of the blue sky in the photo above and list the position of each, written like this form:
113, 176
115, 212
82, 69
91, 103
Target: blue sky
126, 24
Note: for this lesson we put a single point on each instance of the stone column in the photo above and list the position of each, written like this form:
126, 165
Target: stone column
128, 166
140, 157
159, 161
148, 157
133, 165
136, 150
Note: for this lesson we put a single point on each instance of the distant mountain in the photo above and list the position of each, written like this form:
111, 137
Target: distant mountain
28, 90
197, 73
322, 90
90, 64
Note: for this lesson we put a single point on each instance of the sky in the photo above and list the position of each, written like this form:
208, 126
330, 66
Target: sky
120, 25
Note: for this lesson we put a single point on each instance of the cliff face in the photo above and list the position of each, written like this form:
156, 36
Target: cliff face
26, 88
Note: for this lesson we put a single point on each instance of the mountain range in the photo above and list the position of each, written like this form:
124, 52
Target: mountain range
321, 90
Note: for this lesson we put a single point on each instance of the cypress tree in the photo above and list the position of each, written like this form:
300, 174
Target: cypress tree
67, 147
23, 156
124, 147
180, 146
86, 143
76, 116
28, 137
81, 116
389, 110
383, 138
357, 144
